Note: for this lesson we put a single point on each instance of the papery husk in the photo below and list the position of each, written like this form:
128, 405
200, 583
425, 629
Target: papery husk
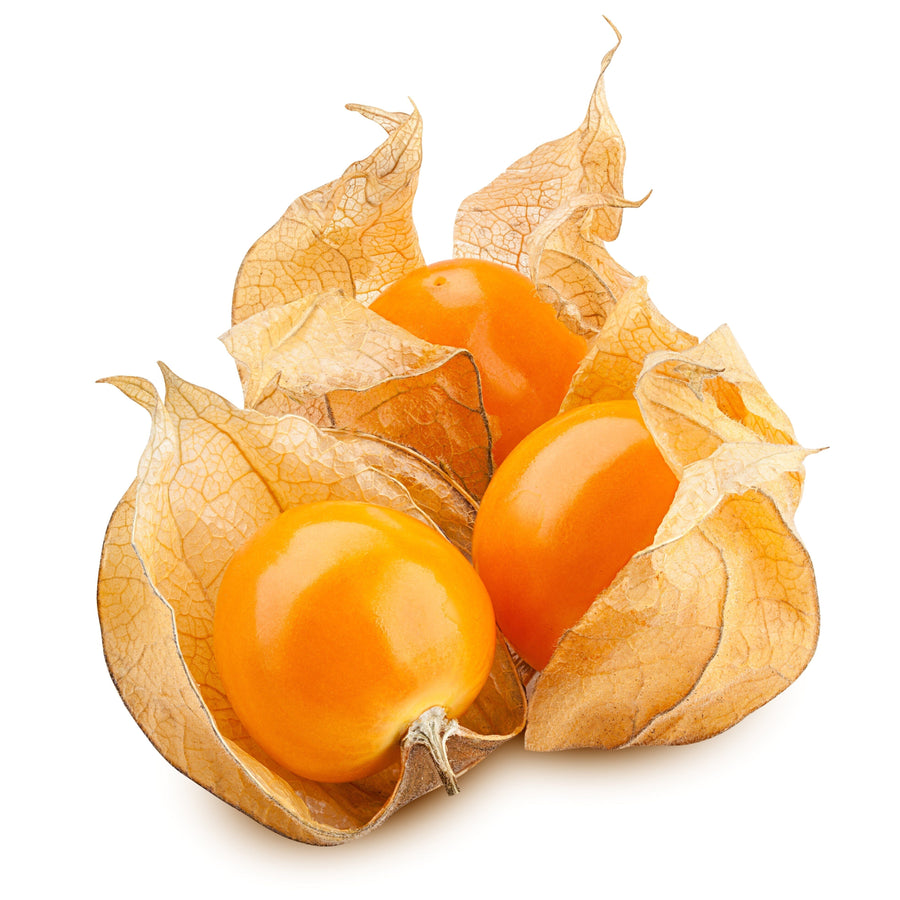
632, 329
571, 266
330, 359
720, 614
551, 213
306, 344
210, 476
496, 222
354, 234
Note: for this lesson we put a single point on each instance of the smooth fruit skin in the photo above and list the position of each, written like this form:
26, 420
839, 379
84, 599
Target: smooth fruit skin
563, 514
526, 357
337, 625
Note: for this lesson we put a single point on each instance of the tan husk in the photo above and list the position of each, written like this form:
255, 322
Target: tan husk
211, 475
720, 614
496, 221
571, 267
354, 234
305, 343
329, 358
632, 329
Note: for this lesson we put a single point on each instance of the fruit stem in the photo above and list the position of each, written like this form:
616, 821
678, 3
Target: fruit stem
432, 729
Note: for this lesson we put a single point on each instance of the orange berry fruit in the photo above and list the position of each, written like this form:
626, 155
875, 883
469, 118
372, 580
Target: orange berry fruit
337, 624
564, 513
526, 357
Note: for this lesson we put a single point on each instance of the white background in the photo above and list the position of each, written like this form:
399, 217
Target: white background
147, 146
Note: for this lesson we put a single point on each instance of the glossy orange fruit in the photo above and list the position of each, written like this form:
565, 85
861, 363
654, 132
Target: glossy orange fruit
526, 357
563, 514
337, 625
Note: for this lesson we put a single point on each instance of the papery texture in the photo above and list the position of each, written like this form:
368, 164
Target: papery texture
210, 476
721, 613
495, 222
571, 266
632, 329
329, 358
700, 398
354, 234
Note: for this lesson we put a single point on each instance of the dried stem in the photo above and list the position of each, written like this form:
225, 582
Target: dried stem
432, 729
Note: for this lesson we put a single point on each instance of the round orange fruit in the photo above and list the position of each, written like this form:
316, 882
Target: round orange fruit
562, 515
337, 625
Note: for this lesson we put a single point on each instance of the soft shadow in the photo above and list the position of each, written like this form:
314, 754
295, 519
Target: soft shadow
500, 777
427, 815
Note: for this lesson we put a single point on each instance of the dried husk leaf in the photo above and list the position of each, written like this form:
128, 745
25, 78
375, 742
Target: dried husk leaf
496, 221
632, 329
693, 401
329, 358
571, 267
721, 613
211, 474
354, 234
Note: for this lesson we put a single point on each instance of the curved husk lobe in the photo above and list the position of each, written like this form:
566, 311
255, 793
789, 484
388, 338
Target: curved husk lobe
354, 234
332, 360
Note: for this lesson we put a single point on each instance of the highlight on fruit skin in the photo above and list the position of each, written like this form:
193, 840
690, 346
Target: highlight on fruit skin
569, 507
337, 625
